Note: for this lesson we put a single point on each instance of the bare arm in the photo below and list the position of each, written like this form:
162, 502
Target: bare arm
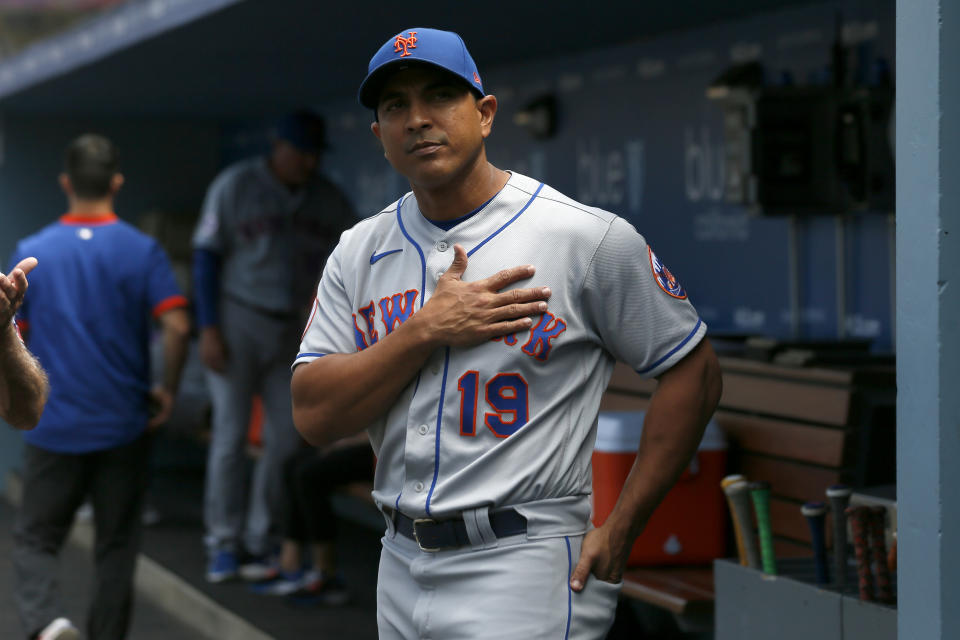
175, 327
686, 397
23, 384
340, 394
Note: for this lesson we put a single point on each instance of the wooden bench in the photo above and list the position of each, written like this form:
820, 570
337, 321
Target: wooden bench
802, 430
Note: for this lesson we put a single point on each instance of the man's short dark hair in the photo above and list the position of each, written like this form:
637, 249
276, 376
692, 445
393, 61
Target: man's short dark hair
90, 162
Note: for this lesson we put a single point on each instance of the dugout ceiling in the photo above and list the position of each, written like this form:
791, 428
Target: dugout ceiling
243, 58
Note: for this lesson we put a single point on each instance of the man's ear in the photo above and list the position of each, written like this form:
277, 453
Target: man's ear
487, 107
375, 127
116, 182
64, 181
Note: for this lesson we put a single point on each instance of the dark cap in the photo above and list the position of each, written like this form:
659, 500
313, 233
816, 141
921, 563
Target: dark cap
441, 49
303, 129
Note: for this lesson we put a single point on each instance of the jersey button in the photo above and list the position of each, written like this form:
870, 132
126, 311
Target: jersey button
418, 487
442, 246
423, 429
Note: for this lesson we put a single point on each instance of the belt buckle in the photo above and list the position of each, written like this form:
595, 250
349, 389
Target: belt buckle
417, 537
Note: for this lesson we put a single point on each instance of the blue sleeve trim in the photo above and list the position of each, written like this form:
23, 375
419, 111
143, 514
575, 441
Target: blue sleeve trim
206, 287
566, 633
672, 351
310, 355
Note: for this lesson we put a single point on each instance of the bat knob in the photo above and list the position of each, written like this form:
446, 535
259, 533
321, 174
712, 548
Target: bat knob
732, 479
839, 491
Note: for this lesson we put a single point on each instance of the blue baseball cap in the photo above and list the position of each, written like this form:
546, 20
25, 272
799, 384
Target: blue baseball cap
304, 129
442, 49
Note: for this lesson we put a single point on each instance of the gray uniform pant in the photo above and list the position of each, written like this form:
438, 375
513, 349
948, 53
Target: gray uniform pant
517, 590
54, 486
260, 350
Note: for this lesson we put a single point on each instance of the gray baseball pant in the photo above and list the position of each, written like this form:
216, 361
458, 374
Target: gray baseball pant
517, 590
260, 349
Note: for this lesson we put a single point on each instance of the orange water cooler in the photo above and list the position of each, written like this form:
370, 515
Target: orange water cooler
689, 526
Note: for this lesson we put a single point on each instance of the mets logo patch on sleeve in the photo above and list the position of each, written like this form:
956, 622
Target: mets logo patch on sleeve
664, 278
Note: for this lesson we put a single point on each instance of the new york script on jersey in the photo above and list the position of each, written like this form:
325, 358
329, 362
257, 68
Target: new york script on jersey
394, 310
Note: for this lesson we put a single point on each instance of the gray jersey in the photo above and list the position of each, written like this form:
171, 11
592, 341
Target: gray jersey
272, 241
510, 422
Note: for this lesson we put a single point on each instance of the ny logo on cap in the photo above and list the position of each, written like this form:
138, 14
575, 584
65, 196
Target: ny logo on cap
402, 44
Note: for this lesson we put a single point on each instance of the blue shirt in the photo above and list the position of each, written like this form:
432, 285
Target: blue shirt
87, 319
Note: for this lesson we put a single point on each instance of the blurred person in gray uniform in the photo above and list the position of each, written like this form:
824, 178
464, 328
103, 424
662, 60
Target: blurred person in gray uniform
265, 230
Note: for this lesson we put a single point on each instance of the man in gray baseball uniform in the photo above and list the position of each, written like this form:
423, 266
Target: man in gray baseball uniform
266, 228
471, 328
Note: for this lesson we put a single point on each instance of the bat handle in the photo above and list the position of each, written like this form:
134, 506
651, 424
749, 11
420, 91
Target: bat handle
738, 527
878, 547
760, 493
815, 513
736, 490
858, 523
839, 496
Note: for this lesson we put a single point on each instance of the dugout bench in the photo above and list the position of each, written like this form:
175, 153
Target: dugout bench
800, 428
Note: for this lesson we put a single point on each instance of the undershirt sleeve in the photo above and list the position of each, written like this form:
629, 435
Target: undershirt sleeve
206, 287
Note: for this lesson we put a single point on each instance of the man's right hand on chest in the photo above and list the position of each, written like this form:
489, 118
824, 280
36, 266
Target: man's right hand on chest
463, 314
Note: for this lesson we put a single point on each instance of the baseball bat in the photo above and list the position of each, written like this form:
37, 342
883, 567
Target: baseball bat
815, 513
738, 500
858, 524
760, 493
876, 521
839, 496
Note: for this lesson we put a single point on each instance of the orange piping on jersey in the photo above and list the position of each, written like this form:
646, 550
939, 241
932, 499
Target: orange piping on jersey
173, 302
76, 218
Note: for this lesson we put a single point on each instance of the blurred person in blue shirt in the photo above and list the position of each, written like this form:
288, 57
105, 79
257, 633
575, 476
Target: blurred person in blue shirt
88, 320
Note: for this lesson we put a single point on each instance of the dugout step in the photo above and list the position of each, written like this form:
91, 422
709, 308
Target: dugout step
791, 606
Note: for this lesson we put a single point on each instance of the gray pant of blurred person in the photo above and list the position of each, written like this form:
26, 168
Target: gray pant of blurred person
260, 349
54, 487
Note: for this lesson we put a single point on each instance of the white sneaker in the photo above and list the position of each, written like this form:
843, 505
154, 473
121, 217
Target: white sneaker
59, 629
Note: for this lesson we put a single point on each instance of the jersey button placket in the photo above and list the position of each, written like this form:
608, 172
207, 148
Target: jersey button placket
418, 487
423, 429
442, 246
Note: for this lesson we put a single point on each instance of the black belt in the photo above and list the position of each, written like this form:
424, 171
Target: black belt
441, 535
